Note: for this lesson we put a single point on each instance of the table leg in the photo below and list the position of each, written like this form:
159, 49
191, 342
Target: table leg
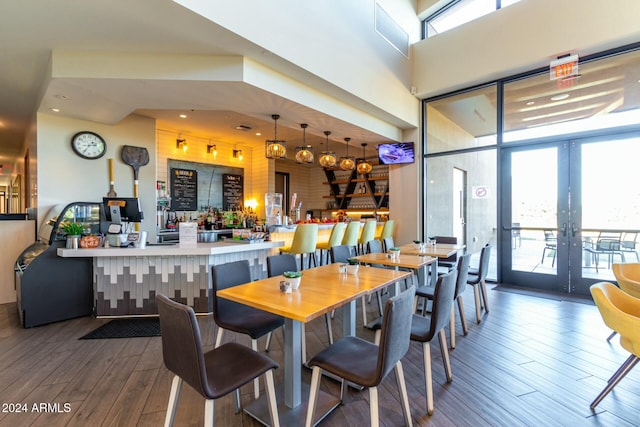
292, 362
349, 319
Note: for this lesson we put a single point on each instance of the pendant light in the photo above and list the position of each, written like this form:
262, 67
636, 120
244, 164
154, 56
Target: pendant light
304, 153
327, 158
364, 167
347, 163
275, 148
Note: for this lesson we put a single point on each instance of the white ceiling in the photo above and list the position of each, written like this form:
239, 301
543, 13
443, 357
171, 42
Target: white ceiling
31, 30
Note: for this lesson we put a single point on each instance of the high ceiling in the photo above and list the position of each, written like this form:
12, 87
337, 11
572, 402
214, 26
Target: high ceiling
31, 30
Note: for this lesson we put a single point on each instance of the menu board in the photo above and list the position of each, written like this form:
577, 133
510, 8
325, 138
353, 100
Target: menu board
184, 189
232, 191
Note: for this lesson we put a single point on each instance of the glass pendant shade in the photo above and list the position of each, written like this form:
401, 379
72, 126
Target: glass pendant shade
364, 167
304, 153
275, 148
347, 163
327, 158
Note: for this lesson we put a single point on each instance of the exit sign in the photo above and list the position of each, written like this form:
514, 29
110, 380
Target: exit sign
564, 67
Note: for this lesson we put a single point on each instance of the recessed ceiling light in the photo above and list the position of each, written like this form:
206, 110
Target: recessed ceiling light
560, 97
55, 110
258, 134
183, 116
531, 102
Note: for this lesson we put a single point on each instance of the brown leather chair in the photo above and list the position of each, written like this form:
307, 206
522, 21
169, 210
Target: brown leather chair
362, 362
213, 374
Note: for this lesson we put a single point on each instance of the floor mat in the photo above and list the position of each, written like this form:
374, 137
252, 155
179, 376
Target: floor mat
126, 328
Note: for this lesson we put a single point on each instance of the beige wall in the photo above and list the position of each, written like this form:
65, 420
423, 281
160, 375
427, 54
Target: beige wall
16, 236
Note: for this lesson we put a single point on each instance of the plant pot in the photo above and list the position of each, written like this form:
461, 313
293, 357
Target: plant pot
353, 269
293, 281
73, 242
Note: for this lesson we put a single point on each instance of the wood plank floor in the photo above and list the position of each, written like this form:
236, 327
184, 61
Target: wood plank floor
533, 361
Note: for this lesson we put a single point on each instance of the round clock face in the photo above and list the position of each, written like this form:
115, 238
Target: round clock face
88, 145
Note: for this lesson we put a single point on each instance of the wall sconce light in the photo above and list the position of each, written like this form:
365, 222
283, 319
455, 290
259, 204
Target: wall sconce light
212, 149
364, 167
327, 158
237, 154
181, 143
275, 148
304, 153
347, 163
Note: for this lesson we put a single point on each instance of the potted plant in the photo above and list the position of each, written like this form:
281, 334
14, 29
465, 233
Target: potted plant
353, 265
73, 230
395, 252
416, 244
293, 277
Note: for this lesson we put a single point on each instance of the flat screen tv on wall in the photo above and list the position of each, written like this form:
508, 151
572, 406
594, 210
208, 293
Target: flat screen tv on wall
397, 153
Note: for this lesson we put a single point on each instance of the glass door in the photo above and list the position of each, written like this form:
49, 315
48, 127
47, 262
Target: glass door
569, 210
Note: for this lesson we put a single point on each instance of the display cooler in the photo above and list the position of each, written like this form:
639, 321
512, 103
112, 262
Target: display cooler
50, 288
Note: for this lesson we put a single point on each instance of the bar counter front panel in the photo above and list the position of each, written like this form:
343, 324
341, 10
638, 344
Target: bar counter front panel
126, 280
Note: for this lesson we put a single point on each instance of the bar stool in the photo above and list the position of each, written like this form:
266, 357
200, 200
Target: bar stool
387, 230
304, 242
351, 234
368, 233
335, 239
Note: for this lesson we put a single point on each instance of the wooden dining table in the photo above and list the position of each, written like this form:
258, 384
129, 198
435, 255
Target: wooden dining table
321, 290
438, 251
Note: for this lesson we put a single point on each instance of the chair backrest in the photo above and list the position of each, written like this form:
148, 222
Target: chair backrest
387, 230
483, 265
226, 276
629, 241
442, 303
368, 231
337, 233
395, 333
181, 343
550, 238
463, 274
374, 247
341, 253
351, 234
449, 240
628, 277
304, 239
278, 264
619, 311
609, 241
387, 243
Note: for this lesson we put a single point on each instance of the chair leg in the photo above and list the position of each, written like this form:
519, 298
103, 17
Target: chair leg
452, 327
238, 401
426, 354
613, 334
376, 337
404, 397
613, 381
379, 297
208, 412
219, 337
445, 355
483, 288
476, 294
174, 396
268, 343
327, 319
256, 381
463, 318
271, 398
373, 406
313, 395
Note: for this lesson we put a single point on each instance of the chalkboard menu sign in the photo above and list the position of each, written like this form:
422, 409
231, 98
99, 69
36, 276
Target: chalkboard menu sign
232, 191
184, 189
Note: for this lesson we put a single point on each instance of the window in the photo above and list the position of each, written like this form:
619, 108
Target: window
459, 12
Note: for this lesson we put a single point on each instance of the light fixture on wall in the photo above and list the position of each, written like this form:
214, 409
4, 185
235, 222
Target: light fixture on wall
364, 167
304, 153
237, 154
275, 148
181, 143
347, 162
327, 158
212, 149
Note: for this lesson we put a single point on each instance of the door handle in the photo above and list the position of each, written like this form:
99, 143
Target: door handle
574, 230
564, 229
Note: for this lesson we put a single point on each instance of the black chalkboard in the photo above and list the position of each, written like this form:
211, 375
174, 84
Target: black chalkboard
184, 189
232, 191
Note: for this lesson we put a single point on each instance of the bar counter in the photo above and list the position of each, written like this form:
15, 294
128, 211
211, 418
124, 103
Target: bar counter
126, 280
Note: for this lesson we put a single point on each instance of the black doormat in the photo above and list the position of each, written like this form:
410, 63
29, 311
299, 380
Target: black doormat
126, 328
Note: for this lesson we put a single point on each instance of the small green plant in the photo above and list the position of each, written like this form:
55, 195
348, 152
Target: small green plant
353, 261
395, 248
71, 228
292, 274
417, 242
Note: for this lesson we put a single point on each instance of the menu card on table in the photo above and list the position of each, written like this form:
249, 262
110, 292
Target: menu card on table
188, 234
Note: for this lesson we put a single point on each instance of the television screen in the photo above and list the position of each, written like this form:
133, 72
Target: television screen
124, 209
398, 153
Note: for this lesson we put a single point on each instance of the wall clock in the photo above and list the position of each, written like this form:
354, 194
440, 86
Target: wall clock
88, 145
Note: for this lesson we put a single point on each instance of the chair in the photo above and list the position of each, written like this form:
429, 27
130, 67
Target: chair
362, 362
628, 278
462, 274
335, 239
620, 312
451, 261
304, 241
368, 233
277, 265
351, 234
628, 244
213, 374
608, 243
387, 243
374, 247
478, 279
236, 317
550, 244
387, 230
341, 253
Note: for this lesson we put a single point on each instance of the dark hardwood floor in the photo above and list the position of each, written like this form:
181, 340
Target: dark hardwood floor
533, 361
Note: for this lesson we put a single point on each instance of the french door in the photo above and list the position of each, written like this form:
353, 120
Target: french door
569, 209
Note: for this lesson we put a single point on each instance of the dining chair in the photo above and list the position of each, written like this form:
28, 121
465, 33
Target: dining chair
341, 253
628, 278
620, 312
628, 243
304, 242
368, 233
335, 239
236, 317
550, 244
351, 234
364, 363
451, 261
609, 244
277, 265
478, 279
387, 243
212, 374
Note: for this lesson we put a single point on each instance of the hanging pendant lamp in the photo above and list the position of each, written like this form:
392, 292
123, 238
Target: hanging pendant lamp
364, 167
347, 163
275, 148
304, 153
327, 158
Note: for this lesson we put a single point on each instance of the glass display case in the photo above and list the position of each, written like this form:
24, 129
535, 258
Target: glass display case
50, 288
